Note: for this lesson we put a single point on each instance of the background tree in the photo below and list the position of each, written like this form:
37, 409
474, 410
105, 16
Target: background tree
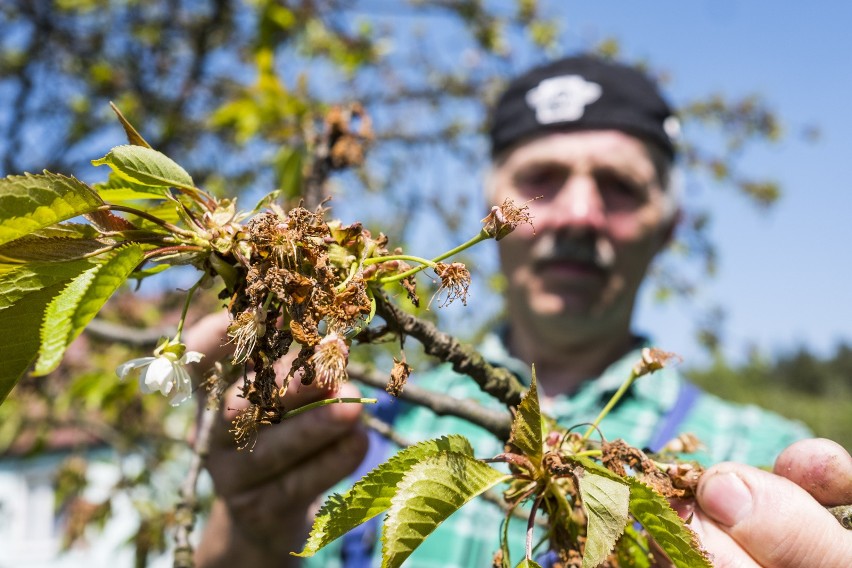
239, 91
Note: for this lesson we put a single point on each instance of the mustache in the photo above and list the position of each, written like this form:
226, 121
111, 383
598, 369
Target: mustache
589, 249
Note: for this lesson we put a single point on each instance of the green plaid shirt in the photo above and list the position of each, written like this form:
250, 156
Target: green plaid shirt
469, 538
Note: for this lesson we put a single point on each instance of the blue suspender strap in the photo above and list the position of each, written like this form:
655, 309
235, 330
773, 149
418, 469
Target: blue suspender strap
358, 544
670, 425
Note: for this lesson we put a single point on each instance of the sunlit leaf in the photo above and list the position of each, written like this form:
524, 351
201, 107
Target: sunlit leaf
528, 564
118, 189
145, 166
70, 311
57, 243
605, 501
632, 550
431, 491
32, 202
28, 249
20, 325
17, 281
133, 135
526, 427
652, 510
128, 194
372, 494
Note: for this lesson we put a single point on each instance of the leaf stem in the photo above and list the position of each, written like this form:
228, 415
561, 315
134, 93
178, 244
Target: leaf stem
589, 454
531, 526
482, 236
326, 402
189, 294
611, 404
145, 215
176, 248
417, 259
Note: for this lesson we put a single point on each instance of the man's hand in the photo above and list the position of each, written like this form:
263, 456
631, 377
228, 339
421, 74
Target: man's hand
748, 517
266, 493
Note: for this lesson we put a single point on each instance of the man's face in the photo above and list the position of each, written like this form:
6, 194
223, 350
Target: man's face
600, 216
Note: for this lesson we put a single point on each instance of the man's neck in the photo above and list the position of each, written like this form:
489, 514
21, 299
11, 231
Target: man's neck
563, 364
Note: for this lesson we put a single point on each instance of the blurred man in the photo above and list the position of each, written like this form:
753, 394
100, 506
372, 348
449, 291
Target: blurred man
592, 145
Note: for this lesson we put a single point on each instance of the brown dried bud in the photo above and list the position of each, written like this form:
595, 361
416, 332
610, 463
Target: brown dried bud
411, 289
398, 377
504, 218
684, 478
653, 360
684, 444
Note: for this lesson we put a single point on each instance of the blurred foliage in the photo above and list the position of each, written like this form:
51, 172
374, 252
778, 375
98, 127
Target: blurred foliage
797, 384
236, 91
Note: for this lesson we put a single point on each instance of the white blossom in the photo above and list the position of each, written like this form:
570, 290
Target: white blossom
165, 372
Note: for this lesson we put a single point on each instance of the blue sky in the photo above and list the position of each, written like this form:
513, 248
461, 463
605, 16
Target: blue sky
784, 276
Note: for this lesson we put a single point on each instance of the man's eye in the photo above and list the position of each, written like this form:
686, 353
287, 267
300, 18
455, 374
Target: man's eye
545, 179
620, 193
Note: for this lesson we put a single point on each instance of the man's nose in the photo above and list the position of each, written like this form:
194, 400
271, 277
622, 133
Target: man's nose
578, 206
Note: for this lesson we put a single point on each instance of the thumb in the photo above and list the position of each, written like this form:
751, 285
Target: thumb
775, 521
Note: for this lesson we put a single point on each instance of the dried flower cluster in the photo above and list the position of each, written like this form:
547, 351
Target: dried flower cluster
303, 280
299, 286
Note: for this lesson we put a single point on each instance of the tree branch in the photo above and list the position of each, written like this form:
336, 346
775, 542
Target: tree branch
142, 337
496, 381
185, 510
497, 422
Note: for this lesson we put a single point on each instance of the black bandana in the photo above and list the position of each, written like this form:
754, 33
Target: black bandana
582, 93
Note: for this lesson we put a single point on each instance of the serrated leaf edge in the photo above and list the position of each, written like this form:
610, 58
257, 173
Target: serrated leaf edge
319, 538
401, 498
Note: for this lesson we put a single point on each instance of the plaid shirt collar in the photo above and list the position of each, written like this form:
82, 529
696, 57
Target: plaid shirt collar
657, 391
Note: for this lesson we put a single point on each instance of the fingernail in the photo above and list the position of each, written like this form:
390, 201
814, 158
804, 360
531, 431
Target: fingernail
725, 498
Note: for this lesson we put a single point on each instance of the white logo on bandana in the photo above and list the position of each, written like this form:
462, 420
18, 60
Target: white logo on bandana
562, 99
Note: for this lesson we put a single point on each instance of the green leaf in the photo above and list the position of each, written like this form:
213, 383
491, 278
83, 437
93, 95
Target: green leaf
605, 501
528, 564
32, 202
39, 248
145, 166
632, 550
431, 491
372, 494
652, 510
70, 311
20, 332
121, 195
118, 189
133, 135
526, 427
18, 281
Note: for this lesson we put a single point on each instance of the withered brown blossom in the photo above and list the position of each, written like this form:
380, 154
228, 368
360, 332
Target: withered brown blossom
244, 331
331, 355
505, 218
398, 376
455, 281
350, 305
685, 443
675, 480
347, 145
653, 360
